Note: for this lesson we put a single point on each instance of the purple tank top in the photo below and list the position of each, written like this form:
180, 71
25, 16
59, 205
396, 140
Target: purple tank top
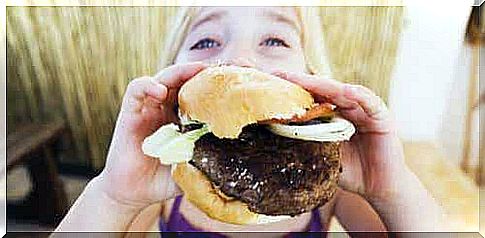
178, 223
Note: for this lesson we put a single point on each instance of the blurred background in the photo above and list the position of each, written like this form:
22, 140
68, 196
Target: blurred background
68, 68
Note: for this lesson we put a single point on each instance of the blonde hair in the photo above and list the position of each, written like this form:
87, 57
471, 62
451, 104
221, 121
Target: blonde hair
62, 65
311, 38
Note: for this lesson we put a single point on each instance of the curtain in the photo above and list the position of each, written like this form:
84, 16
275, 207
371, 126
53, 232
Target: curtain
75, 62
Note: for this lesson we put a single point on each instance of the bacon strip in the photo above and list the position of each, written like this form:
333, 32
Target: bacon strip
320, 110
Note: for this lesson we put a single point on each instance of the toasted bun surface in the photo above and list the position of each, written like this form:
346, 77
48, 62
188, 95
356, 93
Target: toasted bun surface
227, 98
200, 192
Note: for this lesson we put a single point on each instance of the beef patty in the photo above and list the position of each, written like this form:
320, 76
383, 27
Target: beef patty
274, 175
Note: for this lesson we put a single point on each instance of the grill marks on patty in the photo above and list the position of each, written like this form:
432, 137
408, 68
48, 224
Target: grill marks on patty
274, 175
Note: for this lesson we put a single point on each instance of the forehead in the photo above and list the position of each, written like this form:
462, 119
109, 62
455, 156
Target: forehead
290, 11
277, 14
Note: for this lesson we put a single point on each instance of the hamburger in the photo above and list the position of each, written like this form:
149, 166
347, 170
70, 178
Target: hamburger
250, 147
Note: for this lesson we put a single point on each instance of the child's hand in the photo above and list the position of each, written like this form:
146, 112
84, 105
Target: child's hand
129, 176
373, 159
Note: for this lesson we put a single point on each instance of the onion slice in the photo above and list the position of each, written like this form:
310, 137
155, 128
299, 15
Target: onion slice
338, 129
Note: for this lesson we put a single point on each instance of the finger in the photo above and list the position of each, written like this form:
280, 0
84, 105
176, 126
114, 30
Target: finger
372, 105
371, 115
144, 90
174, 76
345, 96
328, 90
351, 176
146, 86
170, 188
172, 105
356, 103
151, 111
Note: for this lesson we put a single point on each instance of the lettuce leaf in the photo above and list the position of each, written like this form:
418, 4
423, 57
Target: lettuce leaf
172, 146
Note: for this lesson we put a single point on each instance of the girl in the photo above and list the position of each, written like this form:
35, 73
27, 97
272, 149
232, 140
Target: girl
282, 41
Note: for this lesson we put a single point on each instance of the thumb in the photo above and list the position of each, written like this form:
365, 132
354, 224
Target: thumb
169, 189
351, 178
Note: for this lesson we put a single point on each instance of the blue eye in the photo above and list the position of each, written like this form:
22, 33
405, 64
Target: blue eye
205, 43
274, 42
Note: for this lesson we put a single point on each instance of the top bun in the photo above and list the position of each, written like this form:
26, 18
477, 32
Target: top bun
227, 98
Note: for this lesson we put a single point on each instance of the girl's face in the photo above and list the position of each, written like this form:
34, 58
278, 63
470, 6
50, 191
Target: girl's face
266, 38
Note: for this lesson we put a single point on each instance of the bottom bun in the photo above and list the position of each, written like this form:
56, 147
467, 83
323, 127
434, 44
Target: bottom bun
200, 192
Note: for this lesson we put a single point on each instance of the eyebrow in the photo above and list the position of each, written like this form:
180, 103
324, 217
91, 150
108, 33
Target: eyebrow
215, 15
279, 17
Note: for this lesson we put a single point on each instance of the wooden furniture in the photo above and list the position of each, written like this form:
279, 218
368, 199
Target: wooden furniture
474, 38
472, 100
33, 145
